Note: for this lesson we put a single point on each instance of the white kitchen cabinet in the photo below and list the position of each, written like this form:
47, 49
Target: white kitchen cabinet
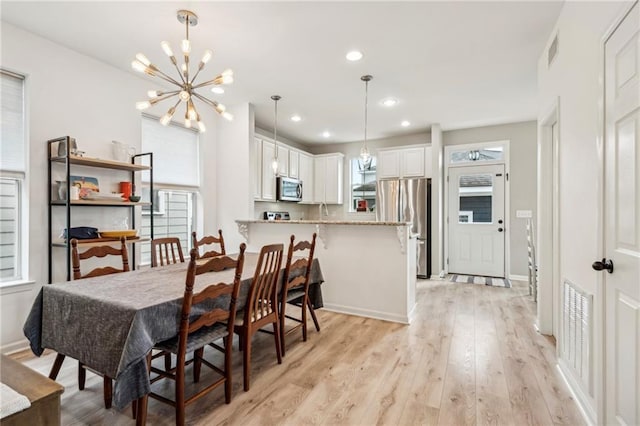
328, 177
256, 152
268, 178
305, 174
404, 162
294, 171
388, 164
283, 161
412, 162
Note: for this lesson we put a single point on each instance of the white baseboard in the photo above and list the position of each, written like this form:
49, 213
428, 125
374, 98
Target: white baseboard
518, 277
385, 316
583, 400
436, 277
14, 347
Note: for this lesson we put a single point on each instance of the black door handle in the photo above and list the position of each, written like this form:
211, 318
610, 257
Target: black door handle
500, 229
604, 264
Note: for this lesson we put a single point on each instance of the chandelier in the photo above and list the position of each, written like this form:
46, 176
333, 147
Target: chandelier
186, 86
365, 155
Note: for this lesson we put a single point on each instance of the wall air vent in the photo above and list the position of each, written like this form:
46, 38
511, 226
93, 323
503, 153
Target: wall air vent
553, 51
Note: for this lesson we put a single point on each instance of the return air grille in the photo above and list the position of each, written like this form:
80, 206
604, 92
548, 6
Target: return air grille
577, 322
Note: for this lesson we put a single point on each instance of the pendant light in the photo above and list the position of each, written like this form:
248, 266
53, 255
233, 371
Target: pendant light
274, 164
365, 156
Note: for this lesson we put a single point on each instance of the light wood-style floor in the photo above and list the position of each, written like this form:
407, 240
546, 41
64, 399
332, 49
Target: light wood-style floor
471, 356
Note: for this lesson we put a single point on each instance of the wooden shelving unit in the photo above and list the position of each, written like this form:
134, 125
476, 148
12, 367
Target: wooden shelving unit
73, 160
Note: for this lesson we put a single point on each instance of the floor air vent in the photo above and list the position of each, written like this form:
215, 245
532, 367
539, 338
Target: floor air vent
577, 314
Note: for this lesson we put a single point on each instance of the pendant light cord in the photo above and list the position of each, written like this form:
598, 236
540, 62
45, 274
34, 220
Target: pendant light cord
275, 129
366, 103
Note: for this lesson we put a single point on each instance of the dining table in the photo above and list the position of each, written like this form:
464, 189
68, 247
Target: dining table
110, 323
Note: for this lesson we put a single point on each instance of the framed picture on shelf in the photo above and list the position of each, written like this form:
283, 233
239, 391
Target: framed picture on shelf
86, 185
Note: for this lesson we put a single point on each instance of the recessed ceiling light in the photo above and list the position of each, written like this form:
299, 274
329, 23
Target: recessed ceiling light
405, 123
296, 118
354, 55
389, 102
326, 134
218, 90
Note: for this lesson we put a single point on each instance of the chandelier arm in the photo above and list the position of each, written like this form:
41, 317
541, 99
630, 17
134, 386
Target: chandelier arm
162, 98
165, 77
206, 83
196, 75
205, 100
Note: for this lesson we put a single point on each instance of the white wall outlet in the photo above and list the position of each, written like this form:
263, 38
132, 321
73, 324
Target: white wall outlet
524, 214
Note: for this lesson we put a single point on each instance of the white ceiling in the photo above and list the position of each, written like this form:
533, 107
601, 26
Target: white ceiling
460, 64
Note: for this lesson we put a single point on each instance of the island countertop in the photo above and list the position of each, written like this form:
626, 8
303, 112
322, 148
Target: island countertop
326, 222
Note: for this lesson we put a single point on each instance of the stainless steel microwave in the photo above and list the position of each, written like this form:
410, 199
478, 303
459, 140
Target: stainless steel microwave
288, 189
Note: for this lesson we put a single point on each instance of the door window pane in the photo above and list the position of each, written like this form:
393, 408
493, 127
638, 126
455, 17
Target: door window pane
477, 155
475, 194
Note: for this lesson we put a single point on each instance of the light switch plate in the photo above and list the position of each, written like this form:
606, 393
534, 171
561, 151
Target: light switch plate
524, 214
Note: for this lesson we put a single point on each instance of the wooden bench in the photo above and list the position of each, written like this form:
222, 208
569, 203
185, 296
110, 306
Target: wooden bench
43, 393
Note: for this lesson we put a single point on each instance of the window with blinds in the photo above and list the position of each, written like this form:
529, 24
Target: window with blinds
12, 175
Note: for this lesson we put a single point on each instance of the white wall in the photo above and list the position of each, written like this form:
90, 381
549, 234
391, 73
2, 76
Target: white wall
67, 94
573, 80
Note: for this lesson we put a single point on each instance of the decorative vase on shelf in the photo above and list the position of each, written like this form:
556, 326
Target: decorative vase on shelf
62, 189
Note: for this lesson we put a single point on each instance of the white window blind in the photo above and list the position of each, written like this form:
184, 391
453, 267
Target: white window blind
12, 141
175, 153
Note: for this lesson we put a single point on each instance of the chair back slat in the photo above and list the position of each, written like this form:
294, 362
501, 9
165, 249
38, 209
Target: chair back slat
212, 292
219, 263
208, 319
99, 252
262, 298
208, 240
166, 251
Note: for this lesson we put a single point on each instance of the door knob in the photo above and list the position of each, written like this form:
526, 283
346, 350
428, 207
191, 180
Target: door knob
500, 229
604, 264
500, 221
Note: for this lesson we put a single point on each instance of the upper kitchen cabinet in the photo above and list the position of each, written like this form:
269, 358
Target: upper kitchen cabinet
328, 176
406, 162
283, 161
306, 176
294, 171
268, 184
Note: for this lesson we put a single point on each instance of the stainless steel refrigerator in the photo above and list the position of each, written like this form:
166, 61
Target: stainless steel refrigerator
408, 200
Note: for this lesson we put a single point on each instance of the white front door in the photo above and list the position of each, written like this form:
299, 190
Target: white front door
476, 220
622, 222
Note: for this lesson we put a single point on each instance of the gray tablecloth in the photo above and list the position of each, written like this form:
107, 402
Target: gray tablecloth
111, 322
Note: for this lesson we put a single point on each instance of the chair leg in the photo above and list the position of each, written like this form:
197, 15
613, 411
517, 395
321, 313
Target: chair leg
282, 335
180, 391
276, 336
313, 315
246, 357
167, 361
55, 369
228, 348
304, 323
108, 392
134, 408
197, 364
82, 376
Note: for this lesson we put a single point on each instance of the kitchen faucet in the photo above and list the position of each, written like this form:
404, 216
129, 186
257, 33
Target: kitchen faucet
326, 209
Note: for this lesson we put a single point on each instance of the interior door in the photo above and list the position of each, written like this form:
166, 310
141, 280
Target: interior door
622, 223
476, 220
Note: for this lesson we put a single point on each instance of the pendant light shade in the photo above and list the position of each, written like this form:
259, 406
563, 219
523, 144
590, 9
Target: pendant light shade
365, 155
274, 163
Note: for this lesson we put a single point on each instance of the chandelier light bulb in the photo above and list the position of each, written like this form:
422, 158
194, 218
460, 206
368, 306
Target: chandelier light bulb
201, 126
191, 111
187, 123
143, 59
207, 56
167, 117
220, 108
143, 105
167, 48
184, 95
227, 76
365, 156
227, 116
275, 166
154, 93
138, 66
186, 47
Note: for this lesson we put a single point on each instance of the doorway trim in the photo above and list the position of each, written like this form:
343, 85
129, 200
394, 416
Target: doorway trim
448, 149
548, 223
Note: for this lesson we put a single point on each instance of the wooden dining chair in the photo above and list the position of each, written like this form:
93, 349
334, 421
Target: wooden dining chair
165, 250
295, 286
261, 306
76, 257
207, 240
213, 322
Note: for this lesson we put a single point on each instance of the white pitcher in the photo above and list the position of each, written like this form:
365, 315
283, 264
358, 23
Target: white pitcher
122, 152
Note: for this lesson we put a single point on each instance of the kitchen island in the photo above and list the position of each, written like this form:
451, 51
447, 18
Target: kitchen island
369, 267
